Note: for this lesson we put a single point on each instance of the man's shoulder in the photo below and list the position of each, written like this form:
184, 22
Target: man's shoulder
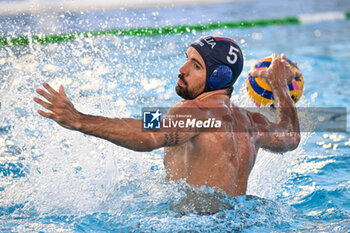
185, 107
186, 104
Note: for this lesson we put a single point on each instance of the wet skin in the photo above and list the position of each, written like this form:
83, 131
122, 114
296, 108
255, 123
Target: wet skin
222, 160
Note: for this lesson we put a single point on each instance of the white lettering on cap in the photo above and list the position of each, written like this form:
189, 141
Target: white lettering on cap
199, 42
210, 41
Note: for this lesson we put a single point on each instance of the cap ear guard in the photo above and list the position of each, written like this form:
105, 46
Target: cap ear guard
220, 78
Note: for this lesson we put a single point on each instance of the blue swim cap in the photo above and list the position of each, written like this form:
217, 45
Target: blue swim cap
223, 59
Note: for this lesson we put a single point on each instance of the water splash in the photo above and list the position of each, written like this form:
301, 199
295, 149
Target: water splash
78, 180
52, 179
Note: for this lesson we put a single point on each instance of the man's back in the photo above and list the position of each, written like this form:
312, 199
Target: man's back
218, 159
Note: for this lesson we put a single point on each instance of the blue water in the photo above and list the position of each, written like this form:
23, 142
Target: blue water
56, 180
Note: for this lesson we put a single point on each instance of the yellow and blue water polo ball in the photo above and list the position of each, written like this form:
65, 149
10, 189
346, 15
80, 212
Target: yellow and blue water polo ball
260, 92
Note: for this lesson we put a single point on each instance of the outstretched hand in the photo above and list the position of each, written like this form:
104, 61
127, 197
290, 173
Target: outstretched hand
280, 72
61, 108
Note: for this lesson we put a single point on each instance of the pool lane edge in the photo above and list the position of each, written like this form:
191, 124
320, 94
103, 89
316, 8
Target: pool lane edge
168, 30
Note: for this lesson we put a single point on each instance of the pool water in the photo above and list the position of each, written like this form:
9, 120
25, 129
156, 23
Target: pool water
56, 180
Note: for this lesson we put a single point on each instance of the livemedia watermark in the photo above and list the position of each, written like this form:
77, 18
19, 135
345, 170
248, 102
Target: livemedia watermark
311, 119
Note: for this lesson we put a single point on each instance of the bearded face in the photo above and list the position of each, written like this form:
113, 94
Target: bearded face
192, 76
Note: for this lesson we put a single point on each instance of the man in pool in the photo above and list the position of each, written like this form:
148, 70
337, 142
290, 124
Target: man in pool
221, 159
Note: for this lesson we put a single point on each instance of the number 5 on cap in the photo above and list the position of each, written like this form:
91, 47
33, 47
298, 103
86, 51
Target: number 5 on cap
233, 52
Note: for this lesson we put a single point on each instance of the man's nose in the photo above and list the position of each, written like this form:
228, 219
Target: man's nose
183, 69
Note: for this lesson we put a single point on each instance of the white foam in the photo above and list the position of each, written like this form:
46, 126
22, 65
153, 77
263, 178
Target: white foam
152, 83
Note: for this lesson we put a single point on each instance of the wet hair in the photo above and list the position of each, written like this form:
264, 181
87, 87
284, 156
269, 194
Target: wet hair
229, 91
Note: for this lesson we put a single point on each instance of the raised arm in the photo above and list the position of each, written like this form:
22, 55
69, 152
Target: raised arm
125, 132
283, 134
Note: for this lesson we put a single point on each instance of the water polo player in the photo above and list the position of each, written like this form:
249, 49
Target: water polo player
222, 159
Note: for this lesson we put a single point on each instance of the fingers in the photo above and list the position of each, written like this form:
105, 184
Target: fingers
43, 103
50, 89
287, 64
55, 99
46, 114
297, 74
51, 96
258, 73
255, 73
274, 56
61, 91
45, 94
276, 61
283, 59
292, 65
283, 56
